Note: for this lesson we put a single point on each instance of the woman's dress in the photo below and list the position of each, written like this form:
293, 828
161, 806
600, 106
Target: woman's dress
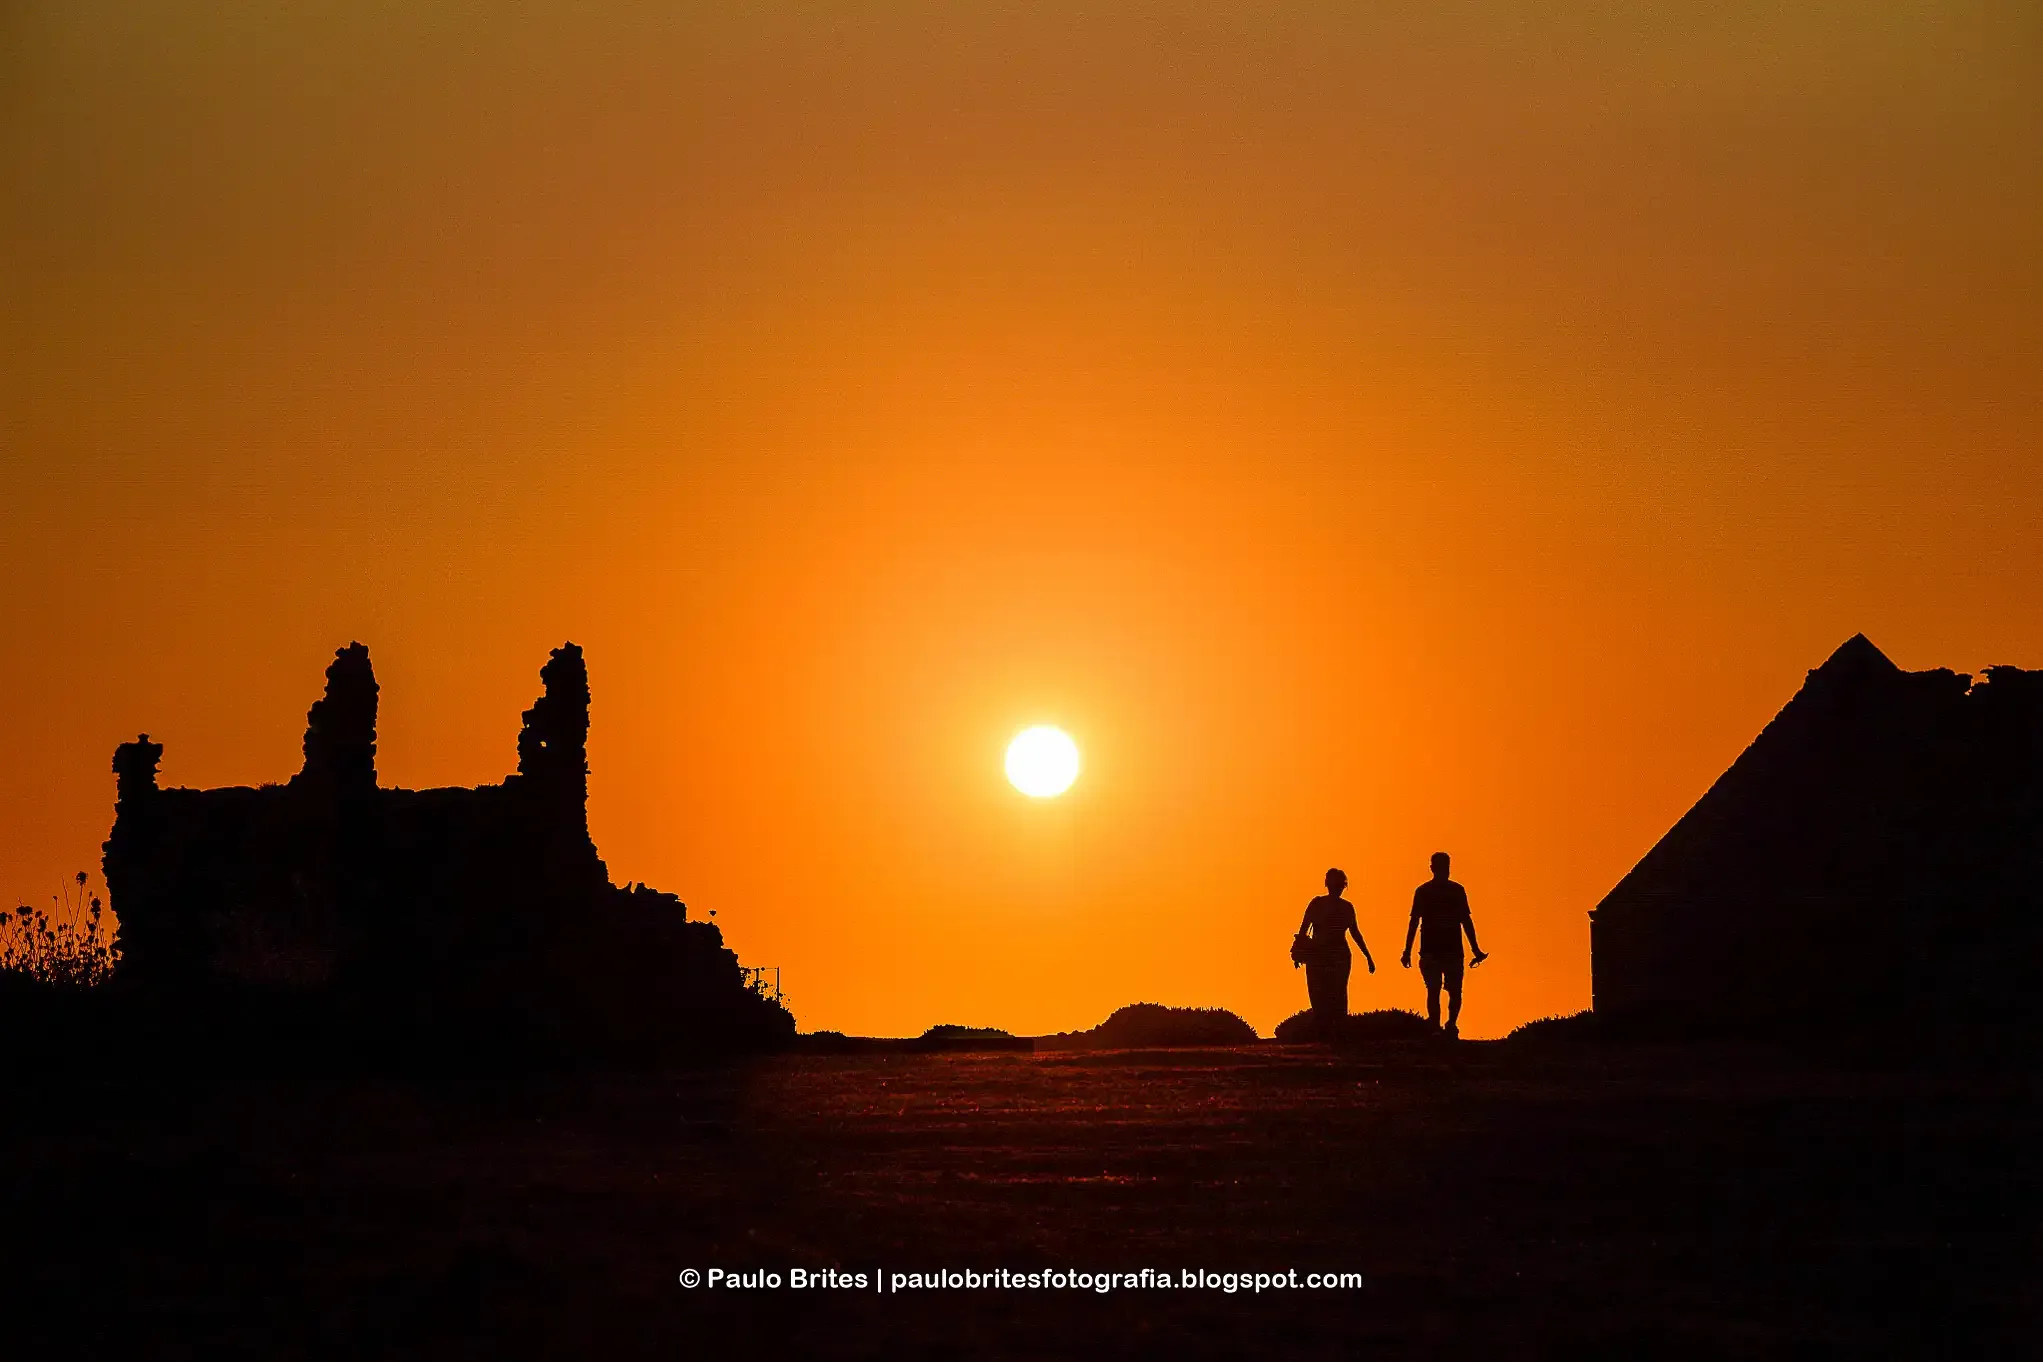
1326, 968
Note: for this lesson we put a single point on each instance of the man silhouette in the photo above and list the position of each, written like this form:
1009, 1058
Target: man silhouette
1439, 917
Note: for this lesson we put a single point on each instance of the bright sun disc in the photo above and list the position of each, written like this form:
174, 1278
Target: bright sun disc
1042, 761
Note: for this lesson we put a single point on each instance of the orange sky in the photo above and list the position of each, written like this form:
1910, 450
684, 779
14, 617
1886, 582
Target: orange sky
1458, 426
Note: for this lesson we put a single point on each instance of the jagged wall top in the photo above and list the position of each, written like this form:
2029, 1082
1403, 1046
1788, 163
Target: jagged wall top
340, 732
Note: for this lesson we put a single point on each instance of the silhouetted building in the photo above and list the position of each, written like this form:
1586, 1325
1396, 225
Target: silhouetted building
1877, 852
455, 908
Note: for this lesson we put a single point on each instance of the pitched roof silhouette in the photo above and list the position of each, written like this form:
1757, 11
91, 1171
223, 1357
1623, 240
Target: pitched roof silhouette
1881, 830
1855, 655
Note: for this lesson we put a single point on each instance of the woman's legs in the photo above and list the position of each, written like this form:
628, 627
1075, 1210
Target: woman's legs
1327, 986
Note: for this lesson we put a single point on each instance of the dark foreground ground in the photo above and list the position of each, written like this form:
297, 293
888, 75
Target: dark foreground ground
1601, 1203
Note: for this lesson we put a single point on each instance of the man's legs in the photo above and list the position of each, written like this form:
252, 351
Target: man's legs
1450, 979
1430, 972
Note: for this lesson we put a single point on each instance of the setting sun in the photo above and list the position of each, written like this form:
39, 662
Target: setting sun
1042, 761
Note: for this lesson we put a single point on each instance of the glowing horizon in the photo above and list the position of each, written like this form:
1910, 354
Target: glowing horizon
1373, 431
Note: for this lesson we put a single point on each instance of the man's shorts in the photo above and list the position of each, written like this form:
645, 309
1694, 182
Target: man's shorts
1442, 971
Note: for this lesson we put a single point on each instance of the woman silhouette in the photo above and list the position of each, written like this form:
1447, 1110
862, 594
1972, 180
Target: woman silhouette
1330, 919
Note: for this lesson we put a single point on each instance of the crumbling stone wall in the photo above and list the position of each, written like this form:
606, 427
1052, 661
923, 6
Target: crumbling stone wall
450, 906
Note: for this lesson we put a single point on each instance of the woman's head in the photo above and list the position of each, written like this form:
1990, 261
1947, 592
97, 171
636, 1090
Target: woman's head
1336, 881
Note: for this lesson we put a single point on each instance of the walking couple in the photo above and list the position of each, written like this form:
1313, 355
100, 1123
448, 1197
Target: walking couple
1439, 917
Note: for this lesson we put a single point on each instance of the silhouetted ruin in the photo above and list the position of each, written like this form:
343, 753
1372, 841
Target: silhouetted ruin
1876, 855
479, 911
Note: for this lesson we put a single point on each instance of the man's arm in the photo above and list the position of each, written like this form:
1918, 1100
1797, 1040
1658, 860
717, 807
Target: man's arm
1411, 930
1468, 924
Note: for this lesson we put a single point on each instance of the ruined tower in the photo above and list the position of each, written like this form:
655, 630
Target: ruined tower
553, 766
553, 746
340, 728
137, 818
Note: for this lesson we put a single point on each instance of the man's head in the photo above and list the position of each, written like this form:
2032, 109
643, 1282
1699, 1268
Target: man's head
1336, 881
1440, 864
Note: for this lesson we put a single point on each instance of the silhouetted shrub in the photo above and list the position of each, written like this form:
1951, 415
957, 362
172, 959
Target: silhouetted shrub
1550, 1030
1359, 1028
947, 1031
67, 945
1141, 1025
